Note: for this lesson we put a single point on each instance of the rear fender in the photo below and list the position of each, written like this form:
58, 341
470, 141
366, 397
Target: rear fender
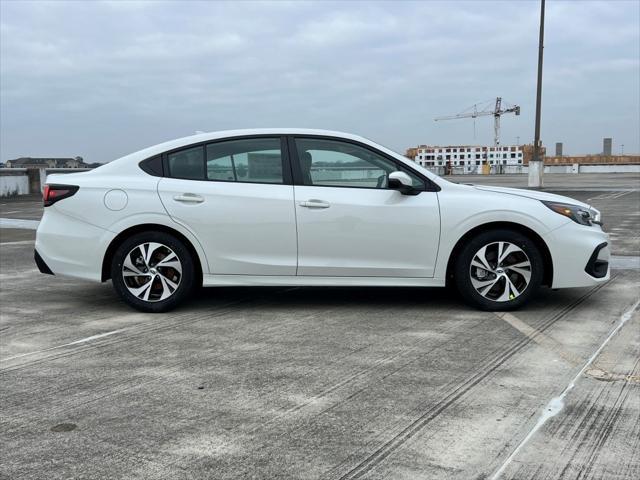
157, 219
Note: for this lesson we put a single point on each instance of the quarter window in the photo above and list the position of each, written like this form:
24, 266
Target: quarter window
341, 164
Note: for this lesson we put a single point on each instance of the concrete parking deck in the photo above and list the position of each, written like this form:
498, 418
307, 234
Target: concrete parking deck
322, 383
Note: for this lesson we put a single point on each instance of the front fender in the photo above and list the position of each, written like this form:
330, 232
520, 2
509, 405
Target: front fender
464, 211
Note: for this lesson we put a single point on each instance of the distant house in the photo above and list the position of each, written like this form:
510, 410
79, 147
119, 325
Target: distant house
31, 162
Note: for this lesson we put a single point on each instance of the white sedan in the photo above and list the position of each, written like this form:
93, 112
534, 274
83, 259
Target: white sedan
308, 207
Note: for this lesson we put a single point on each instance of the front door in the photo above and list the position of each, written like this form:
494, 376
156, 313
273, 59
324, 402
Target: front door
350, 223
236, 197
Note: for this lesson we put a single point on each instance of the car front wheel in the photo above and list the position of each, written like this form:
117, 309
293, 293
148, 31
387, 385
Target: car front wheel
152, 271
499, 270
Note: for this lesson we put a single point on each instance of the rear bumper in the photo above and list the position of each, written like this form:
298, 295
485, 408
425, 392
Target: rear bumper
41, 264
71, 247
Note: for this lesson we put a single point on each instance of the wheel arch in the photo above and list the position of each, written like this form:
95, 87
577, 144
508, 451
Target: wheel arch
547, 278
149, 227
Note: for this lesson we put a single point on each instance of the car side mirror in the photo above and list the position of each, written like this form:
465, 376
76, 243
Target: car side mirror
402, 182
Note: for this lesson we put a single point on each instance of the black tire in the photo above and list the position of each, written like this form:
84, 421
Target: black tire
463, 271
180, 273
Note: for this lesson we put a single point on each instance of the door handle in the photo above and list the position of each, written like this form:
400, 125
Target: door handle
313, 203
188, 198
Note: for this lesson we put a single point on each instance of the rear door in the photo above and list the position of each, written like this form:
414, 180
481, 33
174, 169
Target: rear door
236, 196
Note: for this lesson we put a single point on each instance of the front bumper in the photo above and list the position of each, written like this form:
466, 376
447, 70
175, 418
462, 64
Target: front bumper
598, 264
580, 255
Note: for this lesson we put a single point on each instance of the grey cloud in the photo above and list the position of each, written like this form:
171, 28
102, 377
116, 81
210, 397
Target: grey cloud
103, 79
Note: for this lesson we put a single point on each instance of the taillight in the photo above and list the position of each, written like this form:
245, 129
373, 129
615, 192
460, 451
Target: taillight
52, 193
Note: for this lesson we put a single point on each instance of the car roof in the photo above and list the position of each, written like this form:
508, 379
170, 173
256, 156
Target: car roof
135, 157
129, 163
206, 136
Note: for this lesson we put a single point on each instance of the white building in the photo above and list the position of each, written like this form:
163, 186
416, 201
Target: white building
468, 158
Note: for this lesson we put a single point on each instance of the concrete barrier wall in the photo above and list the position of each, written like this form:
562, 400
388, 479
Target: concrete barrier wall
15, 183
593, 159
580, 168
513, 169
556, 169
607, 168
523, 169
21, 181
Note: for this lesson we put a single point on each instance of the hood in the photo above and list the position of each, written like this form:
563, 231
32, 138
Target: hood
534, 194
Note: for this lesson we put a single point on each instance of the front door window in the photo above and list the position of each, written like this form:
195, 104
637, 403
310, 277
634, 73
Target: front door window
333, 163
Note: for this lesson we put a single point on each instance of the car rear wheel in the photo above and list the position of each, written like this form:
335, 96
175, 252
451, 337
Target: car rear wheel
152, 271
499, 270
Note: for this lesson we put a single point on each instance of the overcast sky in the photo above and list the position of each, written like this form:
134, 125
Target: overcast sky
103, 79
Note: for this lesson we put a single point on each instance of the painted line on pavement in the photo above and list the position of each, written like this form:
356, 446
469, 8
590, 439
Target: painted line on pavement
18, 242
19, 223
556, 404
621, 262
540, 338
82, 340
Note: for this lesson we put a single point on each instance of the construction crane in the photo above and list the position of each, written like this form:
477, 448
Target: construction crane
497, 110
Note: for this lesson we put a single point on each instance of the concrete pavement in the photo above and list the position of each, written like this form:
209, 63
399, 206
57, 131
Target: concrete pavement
317, 382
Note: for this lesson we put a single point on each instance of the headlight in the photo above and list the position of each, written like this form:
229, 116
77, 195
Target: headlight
581, 215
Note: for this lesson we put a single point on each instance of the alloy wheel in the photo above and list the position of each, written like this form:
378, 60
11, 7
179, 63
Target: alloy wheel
152, 272
500, 271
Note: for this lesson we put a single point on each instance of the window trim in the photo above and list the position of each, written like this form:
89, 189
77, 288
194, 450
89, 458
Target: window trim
429, 186
284, 154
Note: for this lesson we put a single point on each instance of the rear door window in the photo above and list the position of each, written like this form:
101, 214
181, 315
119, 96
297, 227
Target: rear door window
187, 163
250, 160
